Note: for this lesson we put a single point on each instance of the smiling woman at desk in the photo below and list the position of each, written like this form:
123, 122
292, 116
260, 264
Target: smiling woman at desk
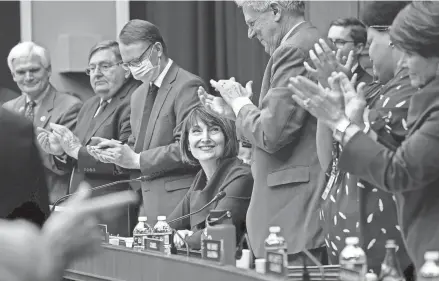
210, 141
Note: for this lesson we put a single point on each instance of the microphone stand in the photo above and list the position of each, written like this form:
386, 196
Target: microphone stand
62, 199
217, 197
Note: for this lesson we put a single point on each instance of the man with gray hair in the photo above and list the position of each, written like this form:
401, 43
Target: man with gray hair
40, 102
285, 164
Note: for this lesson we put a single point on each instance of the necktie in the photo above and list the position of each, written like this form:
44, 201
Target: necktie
29, 112
147, 109
101, 108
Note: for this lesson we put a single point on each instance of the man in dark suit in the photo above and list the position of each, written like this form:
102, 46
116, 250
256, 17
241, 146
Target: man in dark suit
347, 35
284, 164
23, 189
158, 108
41, 102
106, 115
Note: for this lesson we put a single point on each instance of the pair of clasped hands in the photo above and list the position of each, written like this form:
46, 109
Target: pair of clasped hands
61, 140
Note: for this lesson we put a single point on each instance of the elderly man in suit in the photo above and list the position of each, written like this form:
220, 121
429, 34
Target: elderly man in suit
285, 164
23, 189
41, 103
158, 108
106, 115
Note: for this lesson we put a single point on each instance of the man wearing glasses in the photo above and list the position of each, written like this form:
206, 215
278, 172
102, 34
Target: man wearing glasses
347, 35
41, 103
106, 115
158, 108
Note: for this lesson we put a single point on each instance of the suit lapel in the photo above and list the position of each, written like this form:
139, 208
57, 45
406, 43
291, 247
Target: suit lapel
44, 112
159, 101
20, 105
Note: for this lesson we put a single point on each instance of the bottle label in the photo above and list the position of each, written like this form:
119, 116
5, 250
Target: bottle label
276, 262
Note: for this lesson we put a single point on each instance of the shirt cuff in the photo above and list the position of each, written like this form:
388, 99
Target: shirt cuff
239, 103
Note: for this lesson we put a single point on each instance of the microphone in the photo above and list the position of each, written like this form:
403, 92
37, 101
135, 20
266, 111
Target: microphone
217, 197
62, 199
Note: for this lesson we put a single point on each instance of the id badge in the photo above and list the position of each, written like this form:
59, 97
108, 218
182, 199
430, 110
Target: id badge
331, 182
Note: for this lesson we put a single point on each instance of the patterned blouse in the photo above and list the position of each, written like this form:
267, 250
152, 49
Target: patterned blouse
353, 207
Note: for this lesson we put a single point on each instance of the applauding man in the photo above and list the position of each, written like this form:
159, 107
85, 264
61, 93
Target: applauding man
284, 164
106, 115
158, 108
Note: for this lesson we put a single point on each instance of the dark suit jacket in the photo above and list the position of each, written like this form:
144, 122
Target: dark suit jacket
362, 75
59, 108
160, 158
112, 123
23, 189
411, 172
235, 179
285, 164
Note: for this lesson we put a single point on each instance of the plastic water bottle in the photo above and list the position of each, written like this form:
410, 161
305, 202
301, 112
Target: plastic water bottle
390, 269
276, 243
140, 231
165, 233
430, 270
353, 262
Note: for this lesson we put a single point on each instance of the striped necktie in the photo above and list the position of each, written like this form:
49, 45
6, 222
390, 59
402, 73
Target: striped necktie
101, 108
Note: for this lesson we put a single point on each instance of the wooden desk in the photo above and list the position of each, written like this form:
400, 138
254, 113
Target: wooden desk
118, 263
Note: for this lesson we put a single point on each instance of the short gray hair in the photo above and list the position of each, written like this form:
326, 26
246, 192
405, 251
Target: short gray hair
296, 7
26, 49
106, 45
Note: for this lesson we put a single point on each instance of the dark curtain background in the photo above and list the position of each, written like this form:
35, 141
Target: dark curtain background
207, 38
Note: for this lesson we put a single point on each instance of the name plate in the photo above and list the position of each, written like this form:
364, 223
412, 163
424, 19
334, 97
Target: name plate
152, 244
104, 233
275, 264
212, 250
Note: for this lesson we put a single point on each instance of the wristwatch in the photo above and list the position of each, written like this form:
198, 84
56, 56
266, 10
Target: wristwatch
340, 129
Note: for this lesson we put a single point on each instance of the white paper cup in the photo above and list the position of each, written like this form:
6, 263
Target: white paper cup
244, 261
260, 266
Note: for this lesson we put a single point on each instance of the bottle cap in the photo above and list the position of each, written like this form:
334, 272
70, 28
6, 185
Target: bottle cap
352, 240
161, 218
274, 229
143, 218
431, 255
390, 244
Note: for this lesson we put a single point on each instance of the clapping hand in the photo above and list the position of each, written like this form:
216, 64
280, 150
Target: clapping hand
113, 151
326, 62
215, 104
49, 142
69, 142
230, 90
95, 150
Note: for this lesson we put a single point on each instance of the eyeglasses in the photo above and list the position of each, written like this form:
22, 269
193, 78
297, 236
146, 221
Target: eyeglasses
103, 67
137, 61
381, 28
340, 42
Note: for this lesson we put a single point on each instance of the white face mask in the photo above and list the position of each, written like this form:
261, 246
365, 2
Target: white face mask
145, 72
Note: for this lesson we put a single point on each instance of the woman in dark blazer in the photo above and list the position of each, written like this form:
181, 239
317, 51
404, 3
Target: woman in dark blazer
210, 141
411, 171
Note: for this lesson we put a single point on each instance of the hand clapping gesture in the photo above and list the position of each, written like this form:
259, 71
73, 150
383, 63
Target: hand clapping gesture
49, 142
326, 62
69, 142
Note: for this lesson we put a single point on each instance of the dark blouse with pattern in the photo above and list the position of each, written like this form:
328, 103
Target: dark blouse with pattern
356, 208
